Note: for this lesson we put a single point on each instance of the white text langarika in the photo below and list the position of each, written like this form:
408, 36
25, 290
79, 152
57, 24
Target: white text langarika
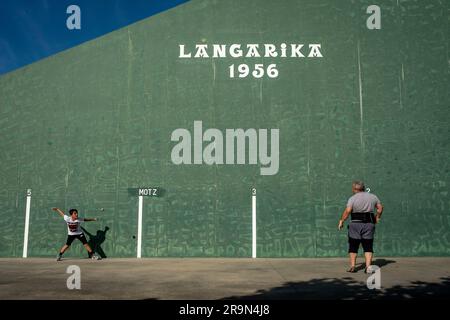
236, 50
251, 51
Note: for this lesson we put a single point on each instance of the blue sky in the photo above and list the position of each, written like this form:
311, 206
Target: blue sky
31, 30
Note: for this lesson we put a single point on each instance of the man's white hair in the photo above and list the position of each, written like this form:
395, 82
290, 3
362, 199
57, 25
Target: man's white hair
359, 185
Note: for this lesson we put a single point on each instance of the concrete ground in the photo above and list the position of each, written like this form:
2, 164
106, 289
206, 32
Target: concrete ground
222, 278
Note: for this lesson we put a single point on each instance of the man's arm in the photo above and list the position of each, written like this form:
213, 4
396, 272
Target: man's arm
344, 217
59, 211
379, 212
88, 219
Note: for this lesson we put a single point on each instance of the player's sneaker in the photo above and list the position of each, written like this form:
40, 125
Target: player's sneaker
95, 257
58, 258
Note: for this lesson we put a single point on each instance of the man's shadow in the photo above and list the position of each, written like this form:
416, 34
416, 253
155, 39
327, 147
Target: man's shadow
377, 262
96, 240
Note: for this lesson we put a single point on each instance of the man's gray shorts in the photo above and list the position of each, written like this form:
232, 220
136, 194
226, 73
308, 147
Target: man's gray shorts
359, 230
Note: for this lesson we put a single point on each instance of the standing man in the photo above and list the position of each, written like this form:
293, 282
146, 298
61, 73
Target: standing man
362, 226
74, 232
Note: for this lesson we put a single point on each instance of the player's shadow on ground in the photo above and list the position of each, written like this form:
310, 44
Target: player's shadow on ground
95, 241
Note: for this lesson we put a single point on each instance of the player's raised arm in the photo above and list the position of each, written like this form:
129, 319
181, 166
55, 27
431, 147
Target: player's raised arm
59, 211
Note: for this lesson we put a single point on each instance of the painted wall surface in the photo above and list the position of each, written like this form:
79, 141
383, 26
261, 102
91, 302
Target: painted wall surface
84, 126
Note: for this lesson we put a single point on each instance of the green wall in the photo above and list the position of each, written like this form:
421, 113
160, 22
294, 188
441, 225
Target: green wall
83, 126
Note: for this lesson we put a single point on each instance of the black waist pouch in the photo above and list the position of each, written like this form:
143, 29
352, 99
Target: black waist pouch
365, 217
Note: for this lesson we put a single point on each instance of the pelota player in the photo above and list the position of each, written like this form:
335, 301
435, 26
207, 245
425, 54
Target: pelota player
74, 232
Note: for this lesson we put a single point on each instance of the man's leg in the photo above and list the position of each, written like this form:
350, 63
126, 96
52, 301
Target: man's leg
368, 256
368, 251
63, 249
87, 246
353, 256
83, 240
353, 246
89, 250
367, 243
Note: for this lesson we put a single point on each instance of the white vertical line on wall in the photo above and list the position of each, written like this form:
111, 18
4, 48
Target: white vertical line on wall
139, 239
27, 224
361, 115
254, 226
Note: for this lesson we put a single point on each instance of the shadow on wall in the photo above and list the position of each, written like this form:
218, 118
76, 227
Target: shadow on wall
95, 241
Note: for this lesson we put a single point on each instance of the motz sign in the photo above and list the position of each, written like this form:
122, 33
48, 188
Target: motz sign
151, 192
